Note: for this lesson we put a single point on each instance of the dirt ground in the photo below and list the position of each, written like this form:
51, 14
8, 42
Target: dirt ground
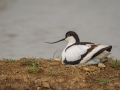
45, 74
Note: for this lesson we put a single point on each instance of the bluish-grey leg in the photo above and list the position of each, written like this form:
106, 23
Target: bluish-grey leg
105, 59
93, 61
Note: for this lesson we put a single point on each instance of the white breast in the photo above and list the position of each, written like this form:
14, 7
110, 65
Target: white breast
74, 52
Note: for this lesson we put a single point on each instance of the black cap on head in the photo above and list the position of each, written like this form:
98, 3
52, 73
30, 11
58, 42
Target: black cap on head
72, 33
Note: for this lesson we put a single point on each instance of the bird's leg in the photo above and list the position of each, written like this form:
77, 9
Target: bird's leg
105, 59
93, 61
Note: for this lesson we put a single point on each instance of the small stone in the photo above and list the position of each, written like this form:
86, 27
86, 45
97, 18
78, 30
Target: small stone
38, 88
84, 80
25, 78
57, 59
38, 81
45, 84
61, 80
86, 69
101, 65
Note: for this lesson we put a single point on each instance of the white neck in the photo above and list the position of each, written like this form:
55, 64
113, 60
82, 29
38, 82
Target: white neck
71, 40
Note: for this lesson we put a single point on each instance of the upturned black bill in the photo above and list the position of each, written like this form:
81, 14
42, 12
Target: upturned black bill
56, 41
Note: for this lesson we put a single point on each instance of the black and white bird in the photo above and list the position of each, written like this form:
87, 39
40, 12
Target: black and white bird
77, 53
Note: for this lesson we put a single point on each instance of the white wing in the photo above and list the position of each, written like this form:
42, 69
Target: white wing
74, 52
95, 50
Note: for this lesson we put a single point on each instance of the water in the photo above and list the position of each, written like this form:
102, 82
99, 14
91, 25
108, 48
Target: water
26, 24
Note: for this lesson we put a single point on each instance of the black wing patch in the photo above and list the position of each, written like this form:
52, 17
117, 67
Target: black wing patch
103, 49
80, 43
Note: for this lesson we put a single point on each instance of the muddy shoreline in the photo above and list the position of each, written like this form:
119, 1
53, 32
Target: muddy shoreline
44, 74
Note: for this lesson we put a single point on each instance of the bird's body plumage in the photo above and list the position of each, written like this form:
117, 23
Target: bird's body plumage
80, 54
77, 52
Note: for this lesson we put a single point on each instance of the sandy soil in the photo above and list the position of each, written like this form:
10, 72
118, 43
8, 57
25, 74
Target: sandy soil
52, 75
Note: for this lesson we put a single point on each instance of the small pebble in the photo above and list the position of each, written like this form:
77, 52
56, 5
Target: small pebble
57, 59
101, 65
86, 69
38, 88
45, 84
